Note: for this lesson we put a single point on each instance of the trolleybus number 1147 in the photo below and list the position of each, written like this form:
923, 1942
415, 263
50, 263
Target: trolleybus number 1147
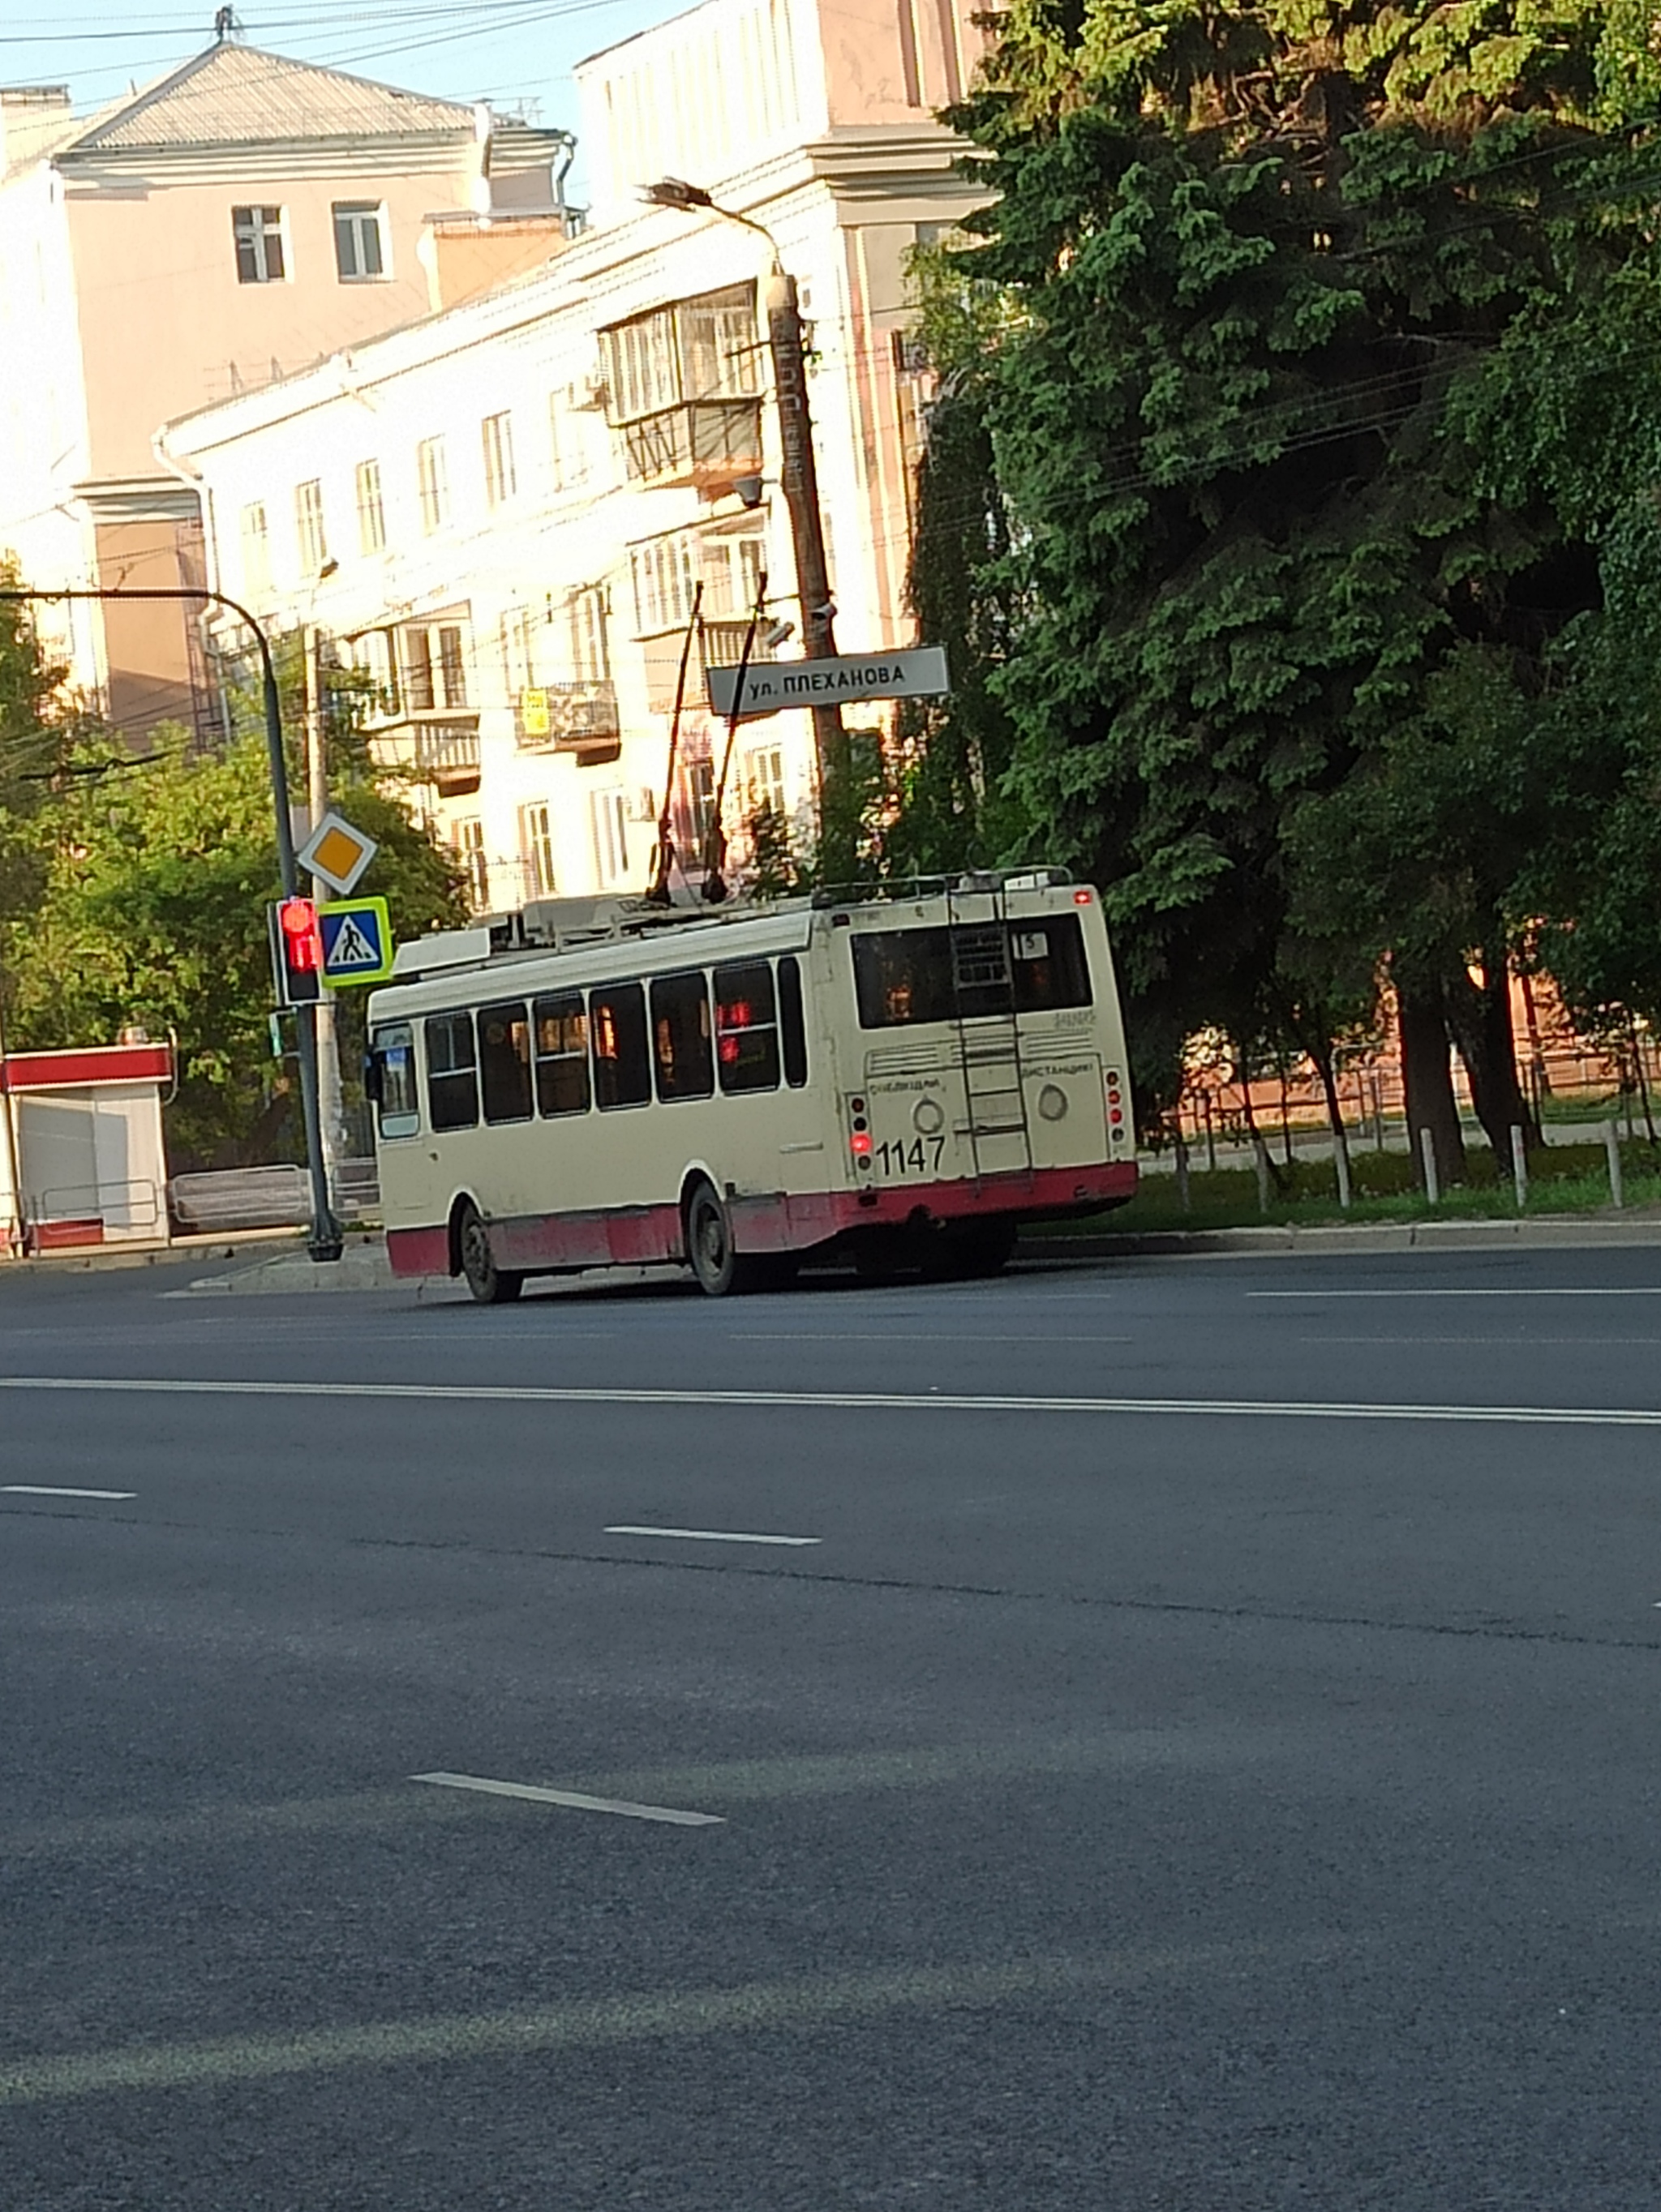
922, 1156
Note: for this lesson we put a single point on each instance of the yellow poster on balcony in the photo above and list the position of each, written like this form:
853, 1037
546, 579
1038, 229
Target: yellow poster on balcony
533, 713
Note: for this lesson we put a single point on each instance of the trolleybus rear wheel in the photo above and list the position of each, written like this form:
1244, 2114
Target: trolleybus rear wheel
491, 1284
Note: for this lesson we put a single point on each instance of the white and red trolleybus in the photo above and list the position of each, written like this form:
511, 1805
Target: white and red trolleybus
901, 1076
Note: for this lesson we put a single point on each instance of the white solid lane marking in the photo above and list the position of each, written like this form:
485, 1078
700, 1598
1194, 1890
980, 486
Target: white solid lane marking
1641, 1292
576, 1798
706, 1535
44, 1490
907, 1336
852, 1401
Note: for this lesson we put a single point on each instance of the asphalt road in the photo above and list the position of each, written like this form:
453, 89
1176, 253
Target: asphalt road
1218, 1775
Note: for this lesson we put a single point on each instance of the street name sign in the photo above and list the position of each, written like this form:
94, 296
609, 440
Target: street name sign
357, 941
338, 852
912, 672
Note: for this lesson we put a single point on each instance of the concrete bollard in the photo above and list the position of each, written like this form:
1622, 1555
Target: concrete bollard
1612, 1153
1519, 1167
1260, 1152
1427, 1154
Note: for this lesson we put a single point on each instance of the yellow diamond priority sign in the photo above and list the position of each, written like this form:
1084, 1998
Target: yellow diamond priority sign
338, 852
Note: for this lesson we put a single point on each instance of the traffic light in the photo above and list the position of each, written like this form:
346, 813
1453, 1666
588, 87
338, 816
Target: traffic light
296, 952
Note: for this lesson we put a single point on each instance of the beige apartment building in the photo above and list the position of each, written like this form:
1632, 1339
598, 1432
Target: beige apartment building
244, 216
507, 511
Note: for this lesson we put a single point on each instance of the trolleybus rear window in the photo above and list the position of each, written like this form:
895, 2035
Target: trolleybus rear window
793, 1022
902, 977
451, 1083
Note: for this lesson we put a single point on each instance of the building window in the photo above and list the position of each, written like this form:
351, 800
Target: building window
609, 822
371, 515
433, 480
256, 552
435, 662
260, 259
519, 667
591, 657
764, 779
501, 481
358, 250
699, 782
371, 654
308, 525
567, 443
536, 829
665, 574
468, 839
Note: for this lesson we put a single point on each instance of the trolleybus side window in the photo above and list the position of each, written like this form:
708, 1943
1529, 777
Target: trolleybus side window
504, 1061
746, 1027
617, 1040
792, 1022
393, 1080
451, 1083
560, 1033
1047, 957
680, 1035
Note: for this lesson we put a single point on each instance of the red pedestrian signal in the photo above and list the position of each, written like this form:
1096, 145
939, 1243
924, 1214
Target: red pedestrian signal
296, 952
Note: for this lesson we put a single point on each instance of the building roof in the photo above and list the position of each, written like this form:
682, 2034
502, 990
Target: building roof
236, 95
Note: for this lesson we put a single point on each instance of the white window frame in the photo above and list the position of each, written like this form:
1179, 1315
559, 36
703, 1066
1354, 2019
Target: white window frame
764, 779
311, 532
257, 230
608, 823
256, 550
519, 654
432, 657
467, 842
537, 845
371, 509
359, 220
567, 443
433, 483
495, 435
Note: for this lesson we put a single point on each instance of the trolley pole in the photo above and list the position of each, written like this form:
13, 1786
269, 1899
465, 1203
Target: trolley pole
326, 1241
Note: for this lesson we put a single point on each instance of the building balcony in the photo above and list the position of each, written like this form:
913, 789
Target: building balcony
446, 757
722, 647
577, 718
706, 444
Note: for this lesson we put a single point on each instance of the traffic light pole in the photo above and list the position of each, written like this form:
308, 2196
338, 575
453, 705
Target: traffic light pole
325, 1242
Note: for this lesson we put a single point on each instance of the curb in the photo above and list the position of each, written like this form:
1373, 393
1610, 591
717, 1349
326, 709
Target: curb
1560, 1232
106, 1259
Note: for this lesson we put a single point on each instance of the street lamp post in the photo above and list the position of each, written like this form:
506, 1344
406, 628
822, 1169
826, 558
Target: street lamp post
326, 1241
799, 478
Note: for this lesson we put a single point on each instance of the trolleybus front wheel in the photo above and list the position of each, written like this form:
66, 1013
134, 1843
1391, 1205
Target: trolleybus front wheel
491, 1284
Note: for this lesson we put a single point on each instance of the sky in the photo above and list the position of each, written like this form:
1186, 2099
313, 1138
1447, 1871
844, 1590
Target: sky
517, 54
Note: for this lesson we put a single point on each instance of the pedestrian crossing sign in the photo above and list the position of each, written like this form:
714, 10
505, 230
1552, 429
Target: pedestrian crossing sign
357, 941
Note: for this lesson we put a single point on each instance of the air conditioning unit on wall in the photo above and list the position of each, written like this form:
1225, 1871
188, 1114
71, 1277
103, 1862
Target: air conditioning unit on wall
641, 805
586, 394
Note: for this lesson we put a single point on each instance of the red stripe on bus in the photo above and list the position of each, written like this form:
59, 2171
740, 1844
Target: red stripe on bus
782, 1222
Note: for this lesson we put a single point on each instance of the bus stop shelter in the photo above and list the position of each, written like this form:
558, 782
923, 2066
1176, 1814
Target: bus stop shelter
85, 1164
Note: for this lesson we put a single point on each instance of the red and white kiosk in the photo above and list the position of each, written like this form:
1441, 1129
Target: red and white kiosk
82, 1158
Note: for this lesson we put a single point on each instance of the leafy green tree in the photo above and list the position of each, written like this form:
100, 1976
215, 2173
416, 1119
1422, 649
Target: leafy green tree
156, 875
1239, 294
